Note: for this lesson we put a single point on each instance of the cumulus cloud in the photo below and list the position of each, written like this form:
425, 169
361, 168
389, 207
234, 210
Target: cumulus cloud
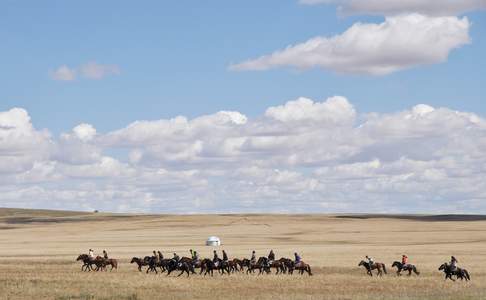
301, 156
90, 70
395, 7
21, 145
399, 43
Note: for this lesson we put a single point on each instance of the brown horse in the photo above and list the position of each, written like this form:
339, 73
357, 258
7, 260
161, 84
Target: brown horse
146, 261
408, 267
240, 264
301, 267
278, 265
87, 262
111, 262
376, 266
286, 263
459, 272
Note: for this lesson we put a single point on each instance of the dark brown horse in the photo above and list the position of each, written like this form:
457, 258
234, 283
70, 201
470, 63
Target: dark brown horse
146, 261
233, 266
87, 262
459, 272
409, 267
208, 267
240, 264
286, 264
181, 266
376, 266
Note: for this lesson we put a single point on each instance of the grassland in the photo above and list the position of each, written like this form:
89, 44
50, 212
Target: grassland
38, 249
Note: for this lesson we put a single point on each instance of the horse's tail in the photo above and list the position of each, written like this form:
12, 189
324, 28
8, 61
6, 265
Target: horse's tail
466, 273
309, 270
115, 264
415, 270
384, 268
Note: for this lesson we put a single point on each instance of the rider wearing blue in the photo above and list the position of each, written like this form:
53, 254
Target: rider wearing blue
298, 259
453, 263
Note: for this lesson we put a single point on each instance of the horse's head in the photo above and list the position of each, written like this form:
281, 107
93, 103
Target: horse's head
443, 266
134, 259
396, 264
361, 263
81, 257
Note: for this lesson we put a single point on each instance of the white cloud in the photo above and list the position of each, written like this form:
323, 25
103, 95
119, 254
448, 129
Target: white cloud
399, 43
93, 70
84, 132
302, 156
395, 7
63, 73
90, 70
21, 145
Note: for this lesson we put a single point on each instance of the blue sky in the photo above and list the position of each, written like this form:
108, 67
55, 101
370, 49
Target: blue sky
174, 58
285, 106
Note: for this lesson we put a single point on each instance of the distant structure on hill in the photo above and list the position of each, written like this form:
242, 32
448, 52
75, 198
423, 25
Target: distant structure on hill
213, 241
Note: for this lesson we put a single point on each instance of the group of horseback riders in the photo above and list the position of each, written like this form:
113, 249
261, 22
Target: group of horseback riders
100, 262
448, 268
406, 264
158, 256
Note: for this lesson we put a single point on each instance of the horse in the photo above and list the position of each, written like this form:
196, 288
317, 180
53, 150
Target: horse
286, 264
378, 266
100, 263
459, 272
208, 266
87, 262
261, 265
302, 267
240, 264
233, 266
146, 261
181, 266
278, 265
111, 262
408, 267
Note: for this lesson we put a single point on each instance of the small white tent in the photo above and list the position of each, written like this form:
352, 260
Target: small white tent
213, 241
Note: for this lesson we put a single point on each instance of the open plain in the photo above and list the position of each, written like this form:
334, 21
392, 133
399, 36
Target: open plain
38, 251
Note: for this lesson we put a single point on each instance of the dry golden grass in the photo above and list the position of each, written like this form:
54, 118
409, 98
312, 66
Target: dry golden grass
38, 249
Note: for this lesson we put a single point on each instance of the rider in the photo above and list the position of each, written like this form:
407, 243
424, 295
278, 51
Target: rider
156, 257
404, 261
271, 256
298, 259
91, 254
453, 263
105, 254
371, 261
253, 258
225, 256
176, 258
161, 256
193, 254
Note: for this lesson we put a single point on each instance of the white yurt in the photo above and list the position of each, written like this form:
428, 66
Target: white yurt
213, 241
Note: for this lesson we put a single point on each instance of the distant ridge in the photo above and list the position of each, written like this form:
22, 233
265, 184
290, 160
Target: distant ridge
428, 218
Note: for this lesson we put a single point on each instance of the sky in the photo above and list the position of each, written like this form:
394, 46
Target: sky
287, 106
